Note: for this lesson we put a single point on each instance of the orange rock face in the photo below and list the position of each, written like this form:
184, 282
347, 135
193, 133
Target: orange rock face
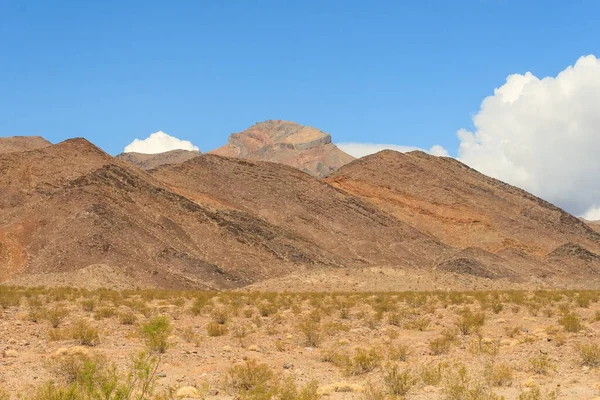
303, 147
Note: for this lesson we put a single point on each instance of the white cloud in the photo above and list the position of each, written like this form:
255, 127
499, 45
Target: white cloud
543, 135
359, 150
159, 142
592, 214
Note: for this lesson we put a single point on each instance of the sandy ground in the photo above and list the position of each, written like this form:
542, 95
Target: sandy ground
523, 330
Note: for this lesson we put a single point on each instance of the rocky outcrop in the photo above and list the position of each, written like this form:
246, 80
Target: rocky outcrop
303, 147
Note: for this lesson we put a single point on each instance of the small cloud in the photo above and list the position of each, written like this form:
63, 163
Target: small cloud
439, 151
159, 142
592, 214
359, 150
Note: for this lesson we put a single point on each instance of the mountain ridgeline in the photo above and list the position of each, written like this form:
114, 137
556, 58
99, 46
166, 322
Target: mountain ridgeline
278, 201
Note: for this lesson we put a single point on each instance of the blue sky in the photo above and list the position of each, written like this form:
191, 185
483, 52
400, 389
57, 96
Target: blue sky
403, 72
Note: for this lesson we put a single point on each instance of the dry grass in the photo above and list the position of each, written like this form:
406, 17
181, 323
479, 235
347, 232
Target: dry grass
438, 345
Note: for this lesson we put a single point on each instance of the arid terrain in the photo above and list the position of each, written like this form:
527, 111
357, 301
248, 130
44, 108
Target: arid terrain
249, 345
278, 267
256, 212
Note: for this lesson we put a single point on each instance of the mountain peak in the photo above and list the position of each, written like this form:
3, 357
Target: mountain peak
304, 147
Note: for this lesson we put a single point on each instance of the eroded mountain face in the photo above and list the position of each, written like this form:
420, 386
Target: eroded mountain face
466, 209
303, 147
70, 214
71, 207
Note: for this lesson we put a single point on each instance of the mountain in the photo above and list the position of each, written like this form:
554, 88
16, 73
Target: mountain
354, 230
70, 209
149, 161
70, 214
465, 209
303, 147
22, 143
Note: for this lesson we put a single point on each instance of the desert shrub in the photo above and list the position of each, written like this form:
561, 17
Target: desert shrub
344, 312
469, 322
251, 380
590, 354
215, 329
583, 300
88, 304
497, 306
541, 365
127, 318
443, 343
312, 332
571, 322
91, 378
418, 324
373, 392
395, 319
84, 333
502, 375
535, 393
363, 361
480, 345
398, 383
190, 335
198, 305
240, 332
220, 315
398, 352
548, 312
56, 315
461, 386
432, 374
266, 309
105, 312
156, 333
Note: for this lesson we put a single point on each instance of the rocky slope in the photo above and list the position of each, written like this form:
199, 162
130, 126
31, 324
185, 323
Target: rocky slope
303, 147
149, 161
342, 224
22, 143
71, 206
466, 209
70, 214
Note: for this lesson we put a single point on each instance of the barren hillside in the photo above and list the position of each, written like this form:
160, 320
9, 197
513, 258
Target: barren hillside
463, 208
71, 206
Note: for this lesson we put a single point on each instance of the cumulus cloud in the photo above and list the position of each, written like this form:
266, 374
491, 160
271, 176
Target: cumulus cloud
159, 142
592, 214
543, 135
359, 150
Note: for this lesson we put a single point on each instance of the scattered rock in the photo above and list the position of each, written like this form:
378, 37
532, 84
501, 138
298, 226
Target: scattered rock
10, 353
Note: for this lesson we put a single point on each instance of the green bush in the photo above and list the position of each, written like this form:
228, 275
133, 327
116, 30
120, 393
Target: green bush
398, 383
156, 333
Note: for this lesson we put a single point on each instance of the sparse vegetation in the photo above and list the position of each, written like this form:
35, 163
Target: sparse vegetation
590, 354
382, 346
156, 333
